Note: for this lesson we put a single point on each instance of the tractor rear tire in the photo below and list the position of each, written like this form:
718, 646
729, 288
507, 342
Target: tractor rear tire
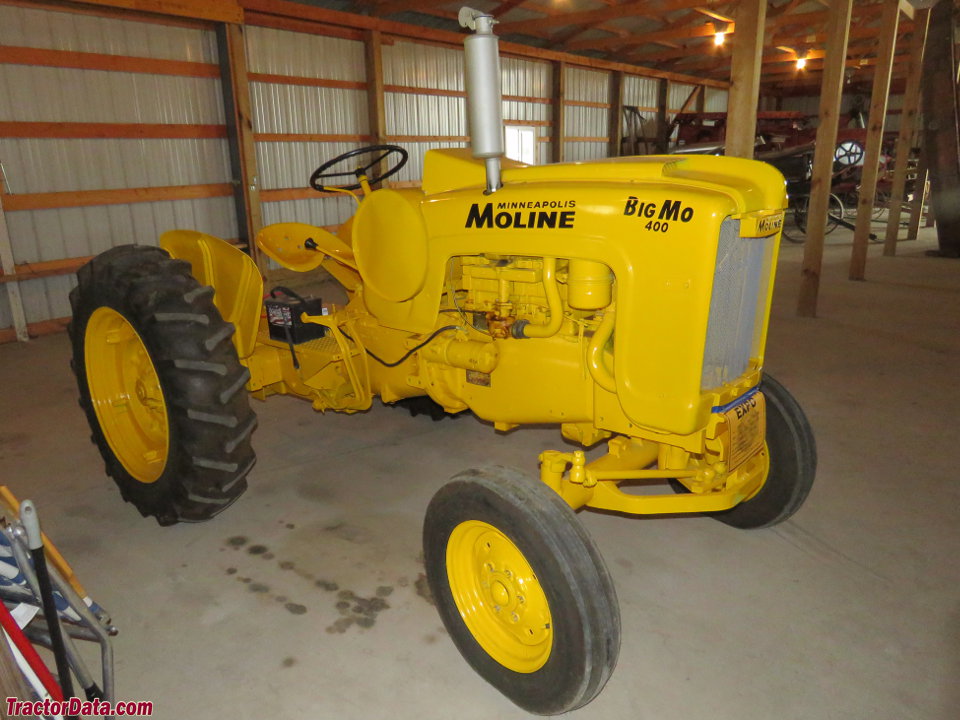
161, 384
522, 589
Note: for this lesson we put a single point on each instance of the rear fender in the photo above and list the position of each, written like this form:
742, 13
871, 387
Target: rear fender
237, 284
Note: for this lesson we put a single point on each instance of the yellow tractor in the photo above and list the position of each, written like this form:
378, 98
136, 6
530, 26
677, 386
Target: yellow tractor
625, 301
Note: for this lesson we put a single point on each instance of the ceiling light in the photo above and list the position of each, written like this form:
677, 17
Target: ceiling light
801, 63
718, 38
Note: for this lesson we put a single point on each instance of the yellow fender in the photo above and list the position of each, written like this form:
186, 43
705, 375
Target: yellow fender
237, 284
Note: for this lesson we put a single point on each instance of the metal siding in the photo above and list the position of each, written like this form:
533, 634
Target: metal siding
425, 66
640, 91
320, 211
30, 27
677, 94
31, 93
57, 165
715, 100
587, 85
281, 52
299, 109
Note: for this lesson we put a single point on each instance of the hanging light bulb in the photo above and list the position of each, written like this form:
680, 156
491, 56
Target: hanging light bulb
718, 39
801, 63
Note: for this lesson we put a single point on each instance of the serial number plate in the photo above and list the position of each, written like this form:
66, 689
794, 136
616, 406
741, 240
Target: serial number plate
747, 422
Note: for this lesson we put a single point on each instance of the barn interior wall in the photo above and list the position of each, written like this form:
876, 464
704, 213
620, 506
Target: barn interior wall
163, 126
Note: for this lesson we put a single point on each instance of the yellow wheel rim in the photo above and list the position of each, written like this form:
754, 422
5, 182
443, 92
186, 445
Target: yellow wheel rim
126, 394
499, 597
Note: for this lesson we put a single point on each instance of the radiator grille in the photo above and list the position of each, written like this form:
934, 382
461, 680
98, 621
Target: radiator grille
740, 283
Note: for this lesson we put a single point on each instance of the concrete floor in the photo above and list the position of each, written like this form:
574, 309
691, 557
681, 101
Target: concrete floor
850, 610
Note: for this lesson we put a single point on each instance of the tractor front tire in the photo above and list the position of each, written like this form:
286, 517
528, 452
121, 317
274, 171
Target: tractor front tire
792, 453
522, 589
161, 384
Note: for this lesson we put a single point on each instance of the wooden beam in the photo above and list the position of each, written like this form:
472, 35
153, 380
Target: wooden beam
615, 116
144, 131
305, 81
558, 95
940, 126
695, 95
227, 11
33, 330
120, 196
376, 114
871, 161
243, 153
49, 268
594, 17
831, 90
745, 78
706, 30
312, 137
919, 196
325, 20
908, 124
663, 130
14, 299
14, 55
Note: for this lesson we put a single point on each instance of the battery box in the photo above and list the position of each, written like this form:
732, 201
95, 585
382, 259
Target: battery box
283, 317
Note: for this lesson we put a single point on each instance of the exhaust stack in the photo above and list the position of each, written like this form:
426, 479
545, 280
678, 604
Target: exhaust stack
484, 102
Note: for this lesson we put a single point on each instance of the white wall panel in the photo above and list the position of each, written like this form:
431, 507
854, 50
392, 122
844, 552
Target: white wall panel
581, 151
321, 211
525, 78
715, 100
48, 94
40, 235
58, 165
426, 66
36, 28
299, 109
587, 85
280, 52
69, 95
640, 91
408, 114
586, 121
290, 164
677, 94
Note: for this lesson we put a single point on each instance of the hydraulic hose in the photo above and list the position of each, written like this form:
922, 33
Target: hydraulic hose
598, 368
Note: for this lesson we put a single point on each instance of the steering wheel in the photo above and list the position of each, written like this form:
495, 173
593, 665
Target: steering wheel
848, 153
381, 152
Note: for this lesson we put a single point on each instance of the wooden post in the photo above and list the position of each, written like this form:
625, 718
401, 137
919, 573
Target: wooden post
9, 268
616, 112
376, 115
745, 68
663, 132
908, 122
940, 126
919, 196
701, 99
831, 90
243, 154
889, 21
558, 133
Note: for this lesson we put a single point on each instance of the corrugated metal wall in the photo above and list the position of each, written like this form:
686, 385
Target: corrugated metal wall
34, 93
587, 121
529, 79
440, 119
289, 109
302, 86
715, 99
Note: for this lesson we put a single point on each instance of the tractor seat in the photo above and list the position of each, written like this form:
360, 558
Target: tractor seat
302, 247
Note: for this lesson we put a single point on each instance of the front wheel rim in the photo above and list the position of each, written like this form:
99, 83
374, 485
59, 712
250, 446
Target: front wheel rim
499, 596
126, 395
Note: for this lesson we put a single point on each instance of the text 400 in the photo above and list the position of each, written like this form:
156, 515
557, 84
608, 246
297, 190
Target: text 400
657, 226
